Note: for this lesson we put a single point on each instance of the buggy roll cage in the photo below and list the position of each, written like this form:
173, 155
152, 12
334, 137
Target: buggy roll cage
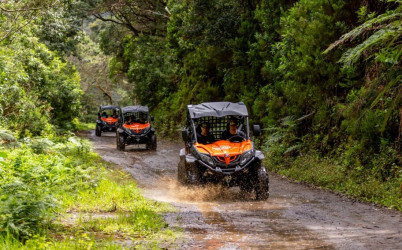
134, 111
107, 107
218, 115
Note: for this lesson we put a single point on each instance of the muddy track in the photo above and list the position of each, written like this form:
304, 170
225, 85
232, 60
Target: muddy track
294, 217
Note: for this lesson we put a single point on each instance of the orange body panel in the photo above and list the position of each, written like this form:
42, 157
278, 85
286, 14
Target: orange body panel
137, 127
109, 120
225, 151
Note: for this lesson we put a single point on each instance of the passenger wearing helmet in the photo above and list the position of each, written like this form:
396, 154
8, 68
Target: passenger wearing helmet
233, 130
141, 118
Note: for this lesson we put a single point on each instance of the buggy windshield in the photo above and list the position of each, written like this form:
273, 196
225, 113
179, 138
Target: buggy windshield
135, 117
218, 125
108, 111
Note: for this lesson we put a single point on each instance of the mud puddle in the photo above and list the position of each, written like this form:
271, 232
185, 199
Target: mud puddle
215, 217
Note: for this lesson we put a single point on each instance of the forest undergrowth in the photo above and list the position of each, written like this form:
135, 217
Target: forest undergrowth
58, 194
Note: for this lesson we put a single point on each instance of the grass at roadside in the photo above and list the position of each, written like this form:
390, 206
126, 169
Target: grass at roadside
57, 194
80, 126
325, 173
115, 210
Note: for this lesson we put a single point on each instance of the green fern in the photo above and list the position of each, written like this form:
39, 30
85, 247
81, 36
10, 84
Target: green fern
6, 136
379, 38
376, 23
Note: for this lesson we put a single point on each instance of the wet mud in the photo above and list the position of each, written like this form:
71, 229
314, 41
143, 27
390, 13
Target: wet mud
213, 217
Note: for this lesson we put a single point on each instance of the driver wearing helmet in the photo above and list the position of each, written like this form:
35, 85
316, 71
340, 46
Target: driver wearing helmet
130, 120
233, 131
204, 136
141, 118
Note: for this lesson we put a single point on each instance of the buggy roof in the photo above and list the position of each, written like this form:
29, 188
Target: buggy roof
134, 109
109, 107
217, 109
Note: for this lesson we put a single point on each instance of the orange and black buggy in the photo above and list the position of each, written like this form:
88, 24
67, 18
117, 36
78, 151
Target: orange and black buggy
107, 119
219, 149
135, 128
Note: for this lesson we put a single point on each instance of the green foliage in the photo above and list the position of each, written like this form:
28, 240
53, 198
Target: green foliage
118, 194
116, 207
38, 88
315, 91
356, 182
35, 176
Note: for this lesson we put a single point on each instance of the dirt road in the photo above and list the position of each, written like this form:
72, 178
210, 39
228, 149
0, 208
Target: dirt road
294, 217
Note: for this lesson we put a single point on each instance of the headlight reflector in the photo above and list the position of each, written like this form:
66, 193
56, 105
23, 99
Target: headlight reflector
207, 159
246, 156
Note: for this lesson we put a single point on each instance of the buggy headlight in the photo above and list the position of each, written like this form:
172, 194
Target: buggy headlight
207, 159
146, 130
246, 156
128, 130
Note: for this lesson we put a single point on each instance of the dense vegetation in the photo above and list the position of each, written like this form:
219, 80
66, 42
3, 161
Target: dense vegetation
46, 171
321, 77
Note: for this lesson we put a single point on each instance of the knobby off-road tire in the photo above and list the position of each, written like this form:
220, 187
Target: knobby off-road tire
188, 175
193, 175
261, 186
98, 130
117, 141
121, 144
181, 172
153, 142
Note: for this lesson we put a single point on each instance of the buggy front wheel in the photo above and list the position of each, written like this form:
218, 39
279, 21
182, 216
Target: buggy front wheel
98, 130
121, 142
153, 142
262, 184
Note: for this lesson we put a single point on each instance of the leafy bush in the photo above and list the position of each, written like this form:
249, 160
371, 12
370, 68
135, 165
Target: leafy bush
37, 87
34, 178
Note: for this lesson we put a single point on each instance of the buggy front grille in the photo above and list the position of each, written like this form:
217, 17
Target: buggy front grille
222, 159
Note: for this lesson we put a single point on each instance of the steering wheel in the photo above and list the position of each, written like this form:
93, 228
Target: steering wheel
236, 138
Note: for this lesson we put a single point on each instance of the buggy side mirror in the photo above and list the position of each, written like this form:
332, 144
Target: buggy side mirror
184, 135
152, 118
256, 130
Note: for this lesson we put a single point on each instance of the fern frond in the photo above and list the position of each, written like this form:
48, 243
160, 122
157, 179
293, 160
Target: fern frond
288, 120
6, 136
373, 24
292, 148
378, 38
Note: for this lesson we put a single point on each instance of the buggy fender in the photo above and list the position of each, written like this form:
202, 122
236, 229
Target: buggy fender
259, 155
182, 152
188, 158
